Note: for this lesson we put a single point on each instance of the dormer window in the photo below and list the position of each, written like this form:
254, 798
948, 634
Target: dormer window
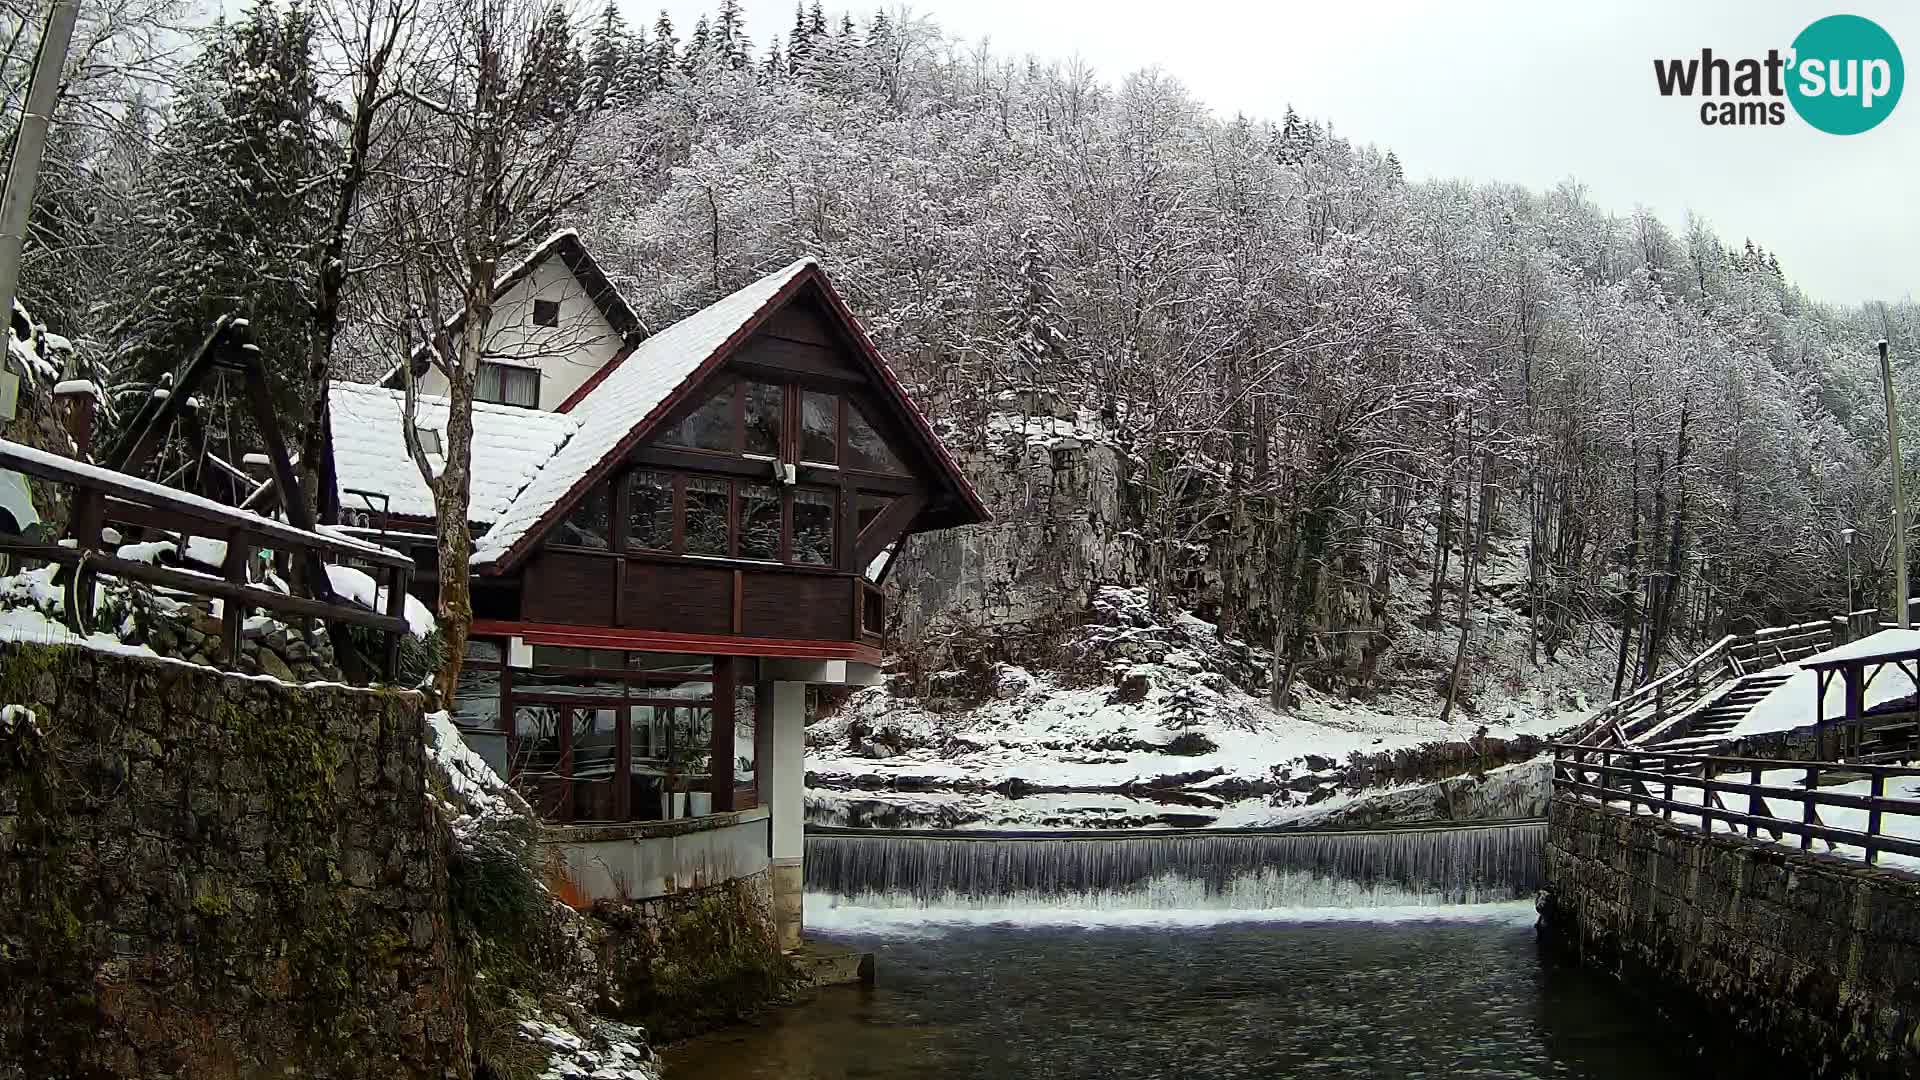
505, 384
546, 313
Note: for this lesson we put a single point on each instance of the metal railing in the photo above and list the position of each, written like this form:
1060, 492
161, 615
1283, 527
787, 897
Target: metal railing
1652, 778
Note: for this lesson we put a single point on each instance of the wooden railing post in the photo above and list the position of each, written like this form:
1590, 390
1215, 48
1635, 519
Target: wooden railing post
1706, 797
234, 570
1753, 803
1878, 794
1807, 812
1666, 788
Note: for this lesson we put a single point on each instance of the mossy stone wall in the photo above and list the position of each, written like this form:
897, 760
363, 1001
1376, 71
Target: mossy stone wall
203, 875
693, 960
1810, 957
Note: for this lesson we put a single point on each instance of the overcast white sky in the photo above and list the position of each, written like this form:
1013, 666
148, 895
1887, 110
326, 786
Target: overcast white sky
1527, 92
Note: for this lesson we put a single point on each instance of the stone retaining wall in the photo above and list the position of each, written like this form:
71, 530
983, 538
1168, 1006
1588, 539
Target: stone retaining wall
1815, 957
203, 875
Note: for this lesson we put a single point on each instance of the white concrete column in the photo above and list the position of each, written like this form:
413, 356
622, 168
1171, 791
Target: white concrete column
785, 780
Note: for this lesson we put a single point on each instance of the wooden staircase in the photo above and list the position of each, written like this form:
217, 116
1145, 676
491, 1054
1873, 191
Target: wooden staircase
1693, 707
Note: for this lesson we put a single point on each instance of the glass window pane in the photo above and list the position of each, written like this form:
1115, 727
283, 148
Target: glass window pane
682, 663
866, 449
706, 516
557, 656
520, 386
710, 427
744, 714
476, 698
818, 426
649, 510
535, 768
483, 650
765, 404
588, 525
572, 686
759, 522
595, 735
486, 382
813, 526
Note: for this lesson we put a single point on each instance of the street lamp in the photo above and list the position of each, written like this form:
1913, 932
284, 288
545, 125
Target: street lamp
1846, 544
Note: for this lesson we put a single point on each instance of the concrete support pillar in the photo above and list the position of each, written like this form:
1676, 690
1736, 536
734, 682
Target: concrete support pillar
786, 775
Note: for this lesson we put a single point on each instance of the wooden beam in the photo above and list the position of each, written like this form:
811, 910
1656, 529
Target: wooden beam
891, 524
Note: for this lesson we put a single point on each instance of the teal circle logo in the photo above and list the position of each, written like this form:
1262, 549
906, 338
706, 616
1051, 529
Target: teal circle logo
1847, 75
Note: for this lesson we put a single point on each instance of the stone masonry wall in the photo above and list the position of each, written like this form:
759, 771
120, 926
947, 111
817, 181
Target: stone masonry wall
204, 875
1812, 956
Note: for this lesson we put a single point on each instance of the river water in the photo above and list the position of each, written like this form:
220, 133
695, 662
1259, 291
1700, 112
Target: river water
1461, 991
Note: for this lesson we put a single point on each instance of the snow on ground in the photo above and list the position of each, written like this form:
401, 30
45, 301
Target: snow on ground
1153, 704
1047, 735
482, 796
615, 1052
1792, 704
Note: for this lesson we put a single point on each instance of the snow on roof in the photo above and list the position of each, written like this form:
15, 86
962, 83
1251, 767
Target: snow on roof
628, 394
370, 452
1792, 704
1874, 646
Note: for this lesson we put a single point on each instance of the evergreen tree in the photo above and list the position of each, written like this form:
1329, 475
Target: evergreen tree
698, 46
797, 41
555, 72
816, 21
730, 42
776, 65
666, 50
235, 220
608, 54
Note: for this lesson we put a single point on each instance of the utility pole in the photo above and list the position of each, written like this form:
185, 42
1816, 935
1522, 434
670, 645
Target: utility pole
1899, 492
30, 143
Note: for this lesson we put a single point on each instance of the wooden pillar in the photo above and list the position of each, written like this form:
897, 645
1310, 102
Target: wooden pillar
720, 749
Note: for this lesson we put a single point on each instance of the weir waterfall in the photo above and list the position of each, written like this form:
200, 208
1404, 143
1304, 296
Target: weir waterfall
1178, 869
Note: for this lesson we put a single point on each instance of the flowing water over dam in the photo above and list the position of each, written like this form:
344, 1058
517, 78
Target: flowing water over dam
1178, 869
1167, 954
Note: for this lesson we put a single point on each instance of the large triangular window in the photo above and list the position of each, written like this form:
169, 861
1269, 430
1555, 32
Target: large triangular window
867, 449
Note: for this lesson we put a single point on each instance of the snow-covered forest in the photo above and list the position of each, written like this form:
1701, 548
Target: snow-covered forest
1322, 379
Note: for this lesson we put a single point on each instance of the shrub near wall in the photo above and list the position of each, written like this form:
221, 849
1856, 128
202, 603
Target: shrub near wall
210, 876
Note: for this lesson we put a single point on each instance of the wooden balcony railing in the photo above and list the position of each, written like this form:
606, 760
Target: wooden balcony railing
102, 496
1741, 793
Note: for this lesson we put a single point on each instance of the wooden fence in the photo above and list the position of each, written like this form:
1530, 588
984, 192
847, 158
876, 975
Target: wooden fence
102, 496
1648, 707
1650, 779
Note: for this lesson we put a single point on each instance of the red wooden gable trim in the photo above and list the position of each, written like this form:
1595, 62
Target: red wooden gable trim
812, 275
598, 377
609, 637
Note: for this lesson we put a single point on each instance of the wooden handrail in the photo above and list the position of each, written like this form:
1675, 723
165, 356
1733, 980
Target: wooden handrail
1615, 775
131, 496
102, 495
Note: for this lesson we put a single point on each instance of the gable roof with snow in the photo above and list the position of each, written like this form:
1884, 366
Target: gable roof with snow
621, 404
370, 452
530, 466
624, 399
568, 248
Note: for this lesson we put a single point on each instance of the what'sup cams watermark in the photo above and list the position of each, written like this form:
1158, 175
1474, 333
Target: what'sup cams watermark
1843, 75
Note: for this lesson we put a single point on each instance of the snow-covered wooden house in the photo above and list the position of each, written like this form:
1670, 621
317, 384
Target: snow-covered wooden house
677, 532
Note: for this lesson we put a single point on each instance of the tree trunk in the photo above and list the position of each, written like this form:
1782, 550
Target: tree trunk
1475, 551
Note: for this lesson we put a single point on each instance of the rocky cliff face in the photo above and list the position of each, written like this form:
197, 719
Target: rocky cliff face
1062, 528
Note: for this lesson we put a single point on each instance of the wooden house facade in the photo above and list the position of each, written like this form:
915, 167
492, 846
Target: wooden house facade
710, 513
